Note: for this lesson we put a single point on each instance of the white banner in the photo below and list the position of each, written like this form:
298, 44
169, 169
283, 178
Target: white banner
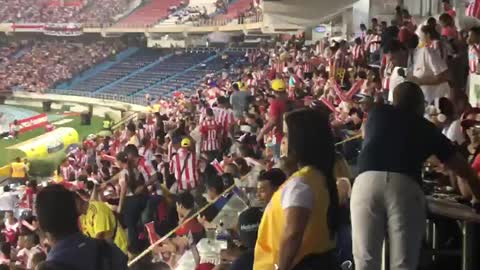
63, 29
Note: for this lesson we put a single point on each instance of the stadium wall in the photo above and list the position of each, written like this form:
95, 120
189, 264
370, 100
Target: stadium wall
116, 109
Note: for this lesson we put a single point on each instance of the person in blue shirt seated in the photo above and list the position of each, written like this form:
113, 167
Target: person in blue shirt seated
70, 249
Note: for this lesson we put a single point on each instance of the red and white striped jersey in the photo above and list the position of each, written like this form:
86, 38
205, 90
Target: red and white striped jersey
373, 43
81, 159
386, 75
363, 36
358, 52
308, 67
115, 147
473, 58
145, 168
141, 133
211, 135
224, 117
66, 172
473, 9
341, 60
186, 161
150, 129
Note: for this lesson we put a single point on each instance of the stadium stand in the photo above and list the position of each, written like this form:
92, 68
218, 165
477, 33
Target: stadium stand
236, 9
159, 72
150, 13
32, 11
47, 63
192, 78
140, 59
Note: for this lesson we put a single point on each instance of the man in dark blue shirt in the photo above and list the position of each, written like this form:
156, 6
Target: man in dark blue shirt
70, 249
387, 194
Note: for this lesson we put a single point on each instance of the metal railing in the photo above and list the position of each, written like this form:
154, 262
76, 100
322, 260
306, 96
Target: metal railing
101, 96
239, 20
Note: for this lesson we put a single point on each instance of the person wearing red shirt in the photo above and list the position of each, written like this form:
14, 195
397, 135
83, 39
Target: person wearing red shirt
358, 54
278, 106
28, 199
140, 163
447, 8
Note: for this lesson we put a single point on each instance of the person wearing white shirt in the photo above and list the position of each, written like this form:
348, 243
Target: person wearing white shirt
430, 71
248, 174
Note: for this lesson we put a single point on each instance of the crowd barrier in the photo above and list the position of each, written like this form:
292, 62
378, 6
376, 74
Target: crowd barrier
198, 23
102, 96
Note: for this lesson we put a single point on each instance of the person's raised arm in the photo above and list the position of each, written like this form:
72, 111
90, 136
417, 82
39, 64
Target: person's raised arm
432, 80
297, 219
123, 192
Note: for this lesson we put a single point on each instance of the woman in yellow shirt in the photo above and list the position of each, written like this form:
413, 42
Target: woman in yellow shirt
298, 227
98, 221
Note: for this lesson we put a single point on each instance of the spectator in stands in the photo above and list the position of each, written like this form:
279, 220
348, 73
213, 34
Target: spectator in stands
277, 108
98, 221
58, 218
248, 223
5, 253
401, 194
184, 166
211, 136
132, 136
430, 71
268, 183
239, 100
18, 172
133, 200
248, 173
311, 195
185, 209
449, 30
31, 246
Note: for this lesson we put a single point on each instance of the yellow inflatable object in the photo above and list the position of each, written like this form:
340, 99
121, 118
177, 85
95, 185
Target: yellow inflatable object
278, 85
5, 170
48, 143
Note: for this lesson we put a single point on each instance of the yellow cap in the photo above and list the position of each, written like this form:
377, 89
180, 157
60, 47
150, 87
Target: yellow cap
278, 85
186, 142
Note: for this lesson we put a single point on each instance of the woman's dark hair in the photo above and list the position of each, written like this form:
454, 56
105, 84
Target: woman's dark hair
446, 107
431, 31
56, 211
122, 157
311, 143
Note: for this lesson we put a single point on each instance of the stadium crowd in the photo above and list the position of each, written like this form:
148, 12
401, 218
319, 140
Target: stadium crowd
47, 63
31, 11
288, 126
